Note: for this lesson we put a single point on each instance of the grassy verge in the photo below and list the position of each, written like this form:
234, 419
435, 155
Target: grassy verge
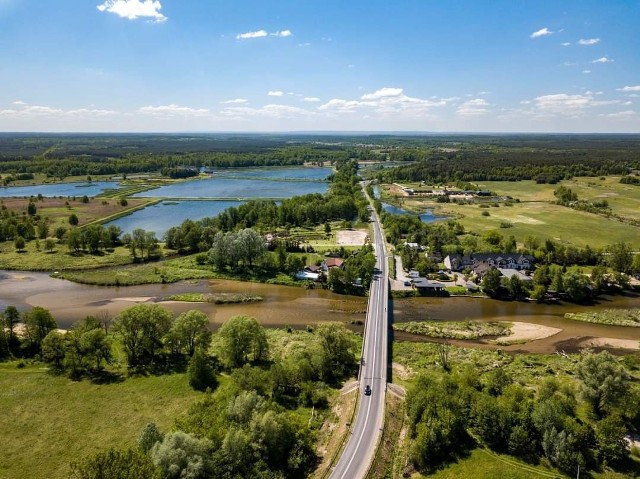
216, 298
390, 459
454, 329
50, 421
613, 317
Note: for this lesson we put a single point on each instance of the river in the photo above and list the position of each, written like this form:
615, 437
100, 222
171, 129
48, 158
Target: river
298, 307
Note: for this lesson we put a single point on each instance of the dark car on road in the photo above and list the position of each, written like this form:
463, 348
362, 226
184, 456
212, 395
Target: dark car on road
367, 390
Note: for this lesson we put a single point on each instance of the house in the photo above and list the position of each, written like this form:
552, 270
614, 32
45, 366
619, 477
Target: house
312, 268
330, 263
426, 287
508, 273
516, 261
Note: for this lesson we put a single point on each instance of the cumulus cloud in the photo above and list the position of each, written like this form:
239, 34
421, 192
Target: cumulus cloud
256, 34
588, 41
19, 102
311, 99
603, 60
134, 9
586, 72
39, 111
566, 44
629, 88
541, 33
262, 34
172, 110
475, 107
235, 101
382, 93
384, 102
275, 93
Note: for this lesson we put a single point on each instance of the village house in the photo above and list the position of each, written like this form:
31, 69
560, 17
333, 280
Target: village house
330, 263
516, 261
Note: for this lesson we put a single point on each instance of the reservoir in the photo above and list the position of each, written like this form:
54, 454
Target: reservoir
58, 189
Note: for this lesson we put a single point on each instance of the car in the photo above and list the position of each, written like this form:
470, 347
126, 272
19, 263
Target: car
367, 390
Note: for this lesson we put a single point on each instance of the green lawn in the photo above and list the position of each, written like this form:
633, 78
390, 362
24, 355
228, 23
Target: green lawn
482, 464
48, 422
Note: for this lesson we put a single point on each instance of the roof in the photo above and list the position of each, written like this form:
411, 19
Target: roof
333, 262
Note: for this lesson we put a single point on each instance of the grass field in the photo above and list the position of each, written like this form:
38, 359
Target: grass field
536, 215
48, 422
58, 260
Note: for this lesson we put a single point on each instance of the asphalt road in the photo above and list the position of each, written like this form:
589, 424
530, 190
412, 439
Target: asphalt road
365, 430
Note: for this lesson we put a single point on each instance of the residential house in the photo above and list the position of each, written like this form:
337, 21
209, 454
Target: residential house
330, 263
516, 261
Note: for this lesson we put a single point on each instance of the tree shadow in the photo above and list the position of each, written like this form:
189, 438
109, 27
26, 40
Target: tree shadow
105, 377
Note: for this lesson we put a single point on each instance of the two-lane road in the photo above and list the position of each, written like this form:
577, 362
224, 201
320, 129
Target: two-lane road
361, 445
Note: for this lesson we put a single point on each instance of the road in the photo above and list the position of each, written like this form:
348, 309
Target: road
361, 445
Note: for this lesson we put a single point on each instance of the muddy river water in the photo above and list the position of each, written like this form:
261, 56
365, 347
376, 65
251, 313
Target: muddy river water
298, 307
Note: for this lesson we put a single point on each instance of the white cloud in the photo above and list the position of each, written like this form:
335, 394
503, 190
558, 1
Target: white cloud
383, 93
603, 60
262, 34
475, 107
588, 41
586, 72
270, 111
256, 34
621, 115
235, 101
541, 33
275, 93
19, 102
569, 105
306, 44
133, 9
566, 44
626, 88
311, 99
172, 110
38, 111
283, 33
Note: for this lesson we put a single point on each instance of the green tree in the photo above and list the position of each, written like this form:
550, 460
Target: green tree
576, 286
242, 340
200, 373
73, 219
11, 317
38, 323
19, 243
191, 330
620, 257
142, 328
49, 245
491, 282
610, 439
604, 381
149, 436
338, 351
183, 456
54, 349
116, 464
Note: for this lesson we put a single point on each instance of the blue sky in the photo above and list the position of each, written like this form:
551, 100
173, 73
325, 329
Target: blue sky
298, 65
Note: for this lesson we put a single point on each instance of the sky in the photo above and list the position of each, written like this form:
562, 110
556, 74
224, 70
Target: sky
326, 65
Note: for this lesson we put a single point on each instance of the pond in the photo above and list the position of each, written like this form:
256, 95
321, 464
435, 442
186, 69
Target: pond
426, 217
58, 189
167, 214
249, 183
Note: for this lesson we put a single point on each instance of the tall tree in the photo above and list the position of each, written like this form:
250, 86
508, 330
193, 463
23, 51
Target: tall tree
604, 381
242, 340
191, 330
38, 323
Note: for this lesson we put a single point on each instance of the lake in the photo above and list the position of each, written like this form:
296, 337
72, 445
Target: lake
167, 214
248, 183
58, 189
